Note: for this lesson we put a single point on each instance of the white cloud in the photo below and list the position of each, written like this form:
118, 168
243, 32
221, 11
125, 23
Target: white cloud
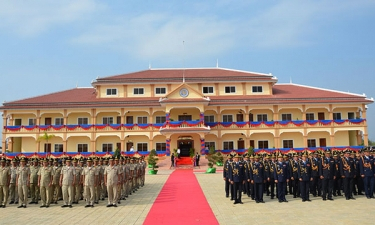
158, 35
31, 18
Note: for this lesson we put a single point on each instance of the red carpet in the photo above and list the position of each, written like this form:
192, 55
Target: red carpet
181, 201
184, 161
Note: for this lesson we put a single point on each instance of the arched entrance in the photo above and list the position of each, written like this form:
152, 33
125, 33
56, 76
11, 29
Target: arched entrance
185, 143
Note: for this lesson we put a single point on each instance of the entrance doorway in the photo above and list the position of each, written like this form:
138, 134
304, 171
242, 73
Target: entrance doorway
129, 145
185, 145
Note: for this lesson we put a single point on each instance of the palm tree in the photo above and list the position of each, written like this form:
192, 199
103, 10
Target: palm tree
45, 137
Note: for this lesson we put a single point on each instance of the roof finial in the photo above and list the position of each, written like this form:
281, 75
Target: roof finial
217, 63
291, 80
149, 66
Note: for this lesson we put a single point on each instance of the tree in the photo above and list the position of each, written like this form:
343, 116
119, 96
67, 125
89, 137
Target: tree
117, 153
152, 158
45, 137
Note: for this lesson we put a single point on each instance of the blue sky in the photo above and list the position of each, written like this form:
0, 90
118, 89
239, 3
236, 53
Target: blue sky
48, 45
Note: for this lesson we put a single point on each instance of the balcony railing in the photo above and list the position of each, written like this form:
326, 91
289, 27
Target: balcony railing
183, 124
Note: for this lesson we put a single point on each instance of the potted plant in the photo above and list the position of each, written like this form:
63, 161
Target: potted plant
219, 159
211, 157
152, 160
250, 151
191, 152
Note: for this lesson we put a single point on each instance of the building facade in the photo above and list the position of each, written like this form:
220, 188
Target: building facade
166, 109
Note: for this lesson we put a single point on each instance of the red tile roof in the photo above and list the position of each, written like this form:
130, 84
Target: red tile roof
191, 75
282, 93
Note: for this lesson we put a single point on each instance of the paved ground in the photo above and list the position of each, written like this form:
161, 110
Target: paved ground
134, 210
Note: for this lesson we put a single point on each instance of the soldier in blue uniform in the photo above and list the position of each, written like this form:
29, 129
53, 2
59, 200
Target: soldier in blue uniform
266, 163
337, 183
272, 164
246, 186
237, 178
327, 169
304, 177
257, 179
347, 172
294, 182
367, 171
316, 183
281, 175
228, 185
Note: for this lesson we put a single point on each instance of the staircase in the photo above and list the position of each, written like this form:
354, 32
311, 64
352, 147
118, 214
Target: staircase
184, 161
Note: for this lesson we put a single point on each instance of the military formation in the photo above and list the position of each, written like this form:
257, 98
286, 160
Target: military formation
325, 174
26, 181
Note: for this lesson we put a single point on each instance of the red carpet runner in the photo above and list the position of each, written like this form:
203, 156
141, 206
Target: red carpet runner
181, 201
184, 161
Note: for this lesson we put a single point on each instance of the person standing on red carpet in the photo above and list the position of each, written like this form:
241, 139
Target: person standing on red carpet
237, 178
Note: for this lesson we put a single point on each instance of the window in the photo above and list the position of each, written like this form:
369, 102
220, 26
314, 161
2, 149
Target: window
227, 118
82, 147
351, 115
258, 89
160, 91
209, 118
142, 119
111, 91
337, 116
208, 90
262, 117
310, 116
251, 117
287, 143
32, 122
138, 91
141, 147
311, 143
59, 121
59, 148
161, 147
286, 117
118, 120
17, 122
230, 89
107, 120
262, 144
83, 121
160, 119
107, 147
209, 144
228, 145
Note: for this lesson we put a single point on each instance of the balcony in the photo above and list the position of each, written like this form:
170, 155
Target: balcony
183, 126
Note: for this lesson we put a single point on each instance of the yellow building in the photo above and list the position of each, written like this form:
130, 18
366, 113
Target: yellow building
166, 109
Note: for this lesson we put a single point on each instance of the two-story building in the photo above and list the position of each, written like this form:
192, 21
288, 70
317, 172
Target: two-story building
166, 109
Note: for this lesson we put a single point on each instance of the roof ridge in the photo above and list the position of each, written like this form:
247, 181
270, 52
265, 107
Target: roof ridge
322, 89
42, 95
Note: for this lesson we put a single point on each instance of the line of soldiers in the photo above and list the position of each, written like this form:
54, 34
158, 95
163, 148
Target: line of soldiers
70, 180
318, 174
